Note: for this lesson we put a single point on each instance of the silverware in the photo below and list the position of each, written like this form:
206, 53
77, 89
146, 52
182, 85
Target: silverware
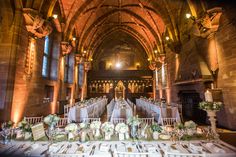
91, 152
161, 151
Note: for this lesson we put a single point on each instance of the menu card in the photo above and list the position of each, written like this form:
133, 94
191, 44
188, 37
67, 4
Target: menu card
38, 131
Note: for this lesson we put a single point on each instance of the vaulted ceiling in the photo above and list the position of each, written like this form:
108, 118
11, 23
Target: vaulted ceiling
95, 20
92, 21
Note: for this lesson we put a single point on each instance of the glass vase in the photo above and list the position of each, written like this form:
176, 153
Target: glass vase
133, 131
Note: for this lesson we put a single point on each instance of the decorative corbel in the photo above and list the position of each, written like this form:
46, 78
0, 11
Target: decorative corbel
208, 24
87, 66
79, 58
66, 48
152, 65
35, 24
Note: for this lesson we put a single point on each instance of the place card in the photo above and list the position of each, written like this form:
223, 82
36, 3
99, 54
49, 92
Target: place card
38, 131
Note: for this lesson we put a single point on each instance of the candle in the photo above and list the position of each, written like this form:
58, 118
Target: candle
199, 130
208, 96
169, 129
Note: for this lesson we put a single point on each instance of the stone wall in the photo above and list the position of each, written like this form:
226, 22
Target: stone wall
197, 50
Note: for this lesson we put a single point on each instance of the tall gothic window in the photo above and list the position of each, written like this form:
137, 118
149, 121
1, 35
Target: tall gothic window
46, 54
69, 68
81, 73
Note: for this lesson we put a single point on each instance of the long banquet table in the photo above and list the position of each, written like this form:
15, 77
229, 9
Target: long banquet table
108, 148
121, 110
160, 112
78, 113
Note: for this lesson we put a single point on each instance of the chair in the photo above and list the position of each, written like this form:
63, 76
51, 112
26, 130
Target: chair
174, 154
118, 120
34, 120
89, 120
66, 110
62, 122
147, 120
131, 154
168, 121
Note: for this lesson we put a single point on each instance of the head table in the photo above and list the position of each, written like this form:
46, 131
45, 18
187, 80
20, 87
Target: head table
109, 148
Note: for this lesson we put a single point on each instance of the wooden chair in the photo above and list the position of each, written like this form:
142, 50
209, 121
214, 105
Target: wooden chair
118, 120
168, 121
62, 122
34, 120
89, 120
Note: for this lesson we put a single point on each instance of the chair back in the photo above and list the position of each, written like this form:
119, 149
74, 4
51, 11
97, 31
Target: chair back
62, 122
168, 121
90, 120
118, 120
34, 120
148, 121
66, 110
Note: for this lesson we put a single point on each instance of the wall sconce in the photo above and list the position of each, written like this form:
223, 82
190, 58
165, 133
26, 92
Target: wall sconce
55, 16
167, 38
46, 100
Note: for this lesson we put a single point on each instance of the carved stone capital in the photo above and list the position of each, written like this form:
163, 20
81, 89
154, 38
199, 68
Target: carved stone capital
207, 24
66, 48
87, 66
35, 24
152, 65
161, 58
79, 59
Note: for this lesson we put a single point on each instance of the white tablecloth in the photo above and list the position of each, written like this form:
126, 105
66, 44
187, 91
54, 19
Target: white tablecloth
78, 113
106, 148
122, 106
159, 111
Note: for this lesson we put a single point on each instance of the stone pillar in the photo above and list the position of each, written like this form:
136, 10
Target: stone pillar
84, 87
153, 67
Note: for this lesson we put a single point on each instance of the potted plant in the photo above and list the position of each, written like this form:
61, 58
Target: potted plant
156, 129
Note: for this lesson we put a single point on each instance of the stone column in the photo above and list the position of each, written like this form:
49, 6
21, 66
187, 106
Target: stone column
84, 87
153, 67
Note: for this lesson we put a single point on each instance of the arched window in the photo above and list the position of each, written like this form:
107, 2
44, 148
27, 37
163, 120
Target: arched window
46, 55
69, 67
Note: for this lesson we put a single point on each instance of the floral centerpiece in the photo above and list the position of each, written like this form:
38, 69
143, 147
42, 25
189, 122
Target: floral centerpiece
7, 125
190, 127
108, 129
51, 120
156, 129
133, 122
72, 130
211, 108
83, 127
95, 126
121, 129
214, 106
25, 129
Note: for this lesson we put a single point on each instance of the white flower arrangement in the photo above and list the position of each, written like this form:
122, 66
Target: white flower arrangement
107, 127
51, 119
72, 127
133, 121
95, 125
190, 125
24, 126
121, 128
83, 125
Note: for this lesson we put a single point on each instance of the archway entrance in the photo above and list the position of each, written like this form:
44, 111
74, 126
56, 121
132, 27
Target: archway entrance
120, 90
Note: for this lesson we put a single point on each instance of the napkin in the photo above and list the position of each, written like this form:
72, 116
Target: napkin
195, 147
54, 148
150, 148
104, 147
216, 149
72, 150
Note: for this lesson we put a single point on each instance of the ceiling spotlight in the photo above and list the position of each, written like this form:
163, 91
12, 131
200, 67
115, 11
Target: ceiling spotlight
155, 51
74, 38
118, 65
148, 59
55, 16
167, 38
188, 15
85, 51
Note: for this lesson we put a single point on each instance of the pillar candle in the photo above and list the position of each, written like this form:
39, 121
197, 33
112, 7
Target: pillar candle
208, 96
